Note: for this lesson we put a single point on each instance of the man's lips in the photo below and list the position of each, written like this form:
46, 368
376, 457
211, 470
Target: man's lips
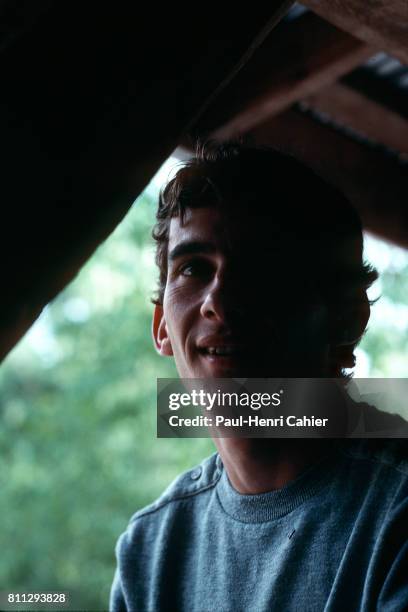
222, 347
222, 350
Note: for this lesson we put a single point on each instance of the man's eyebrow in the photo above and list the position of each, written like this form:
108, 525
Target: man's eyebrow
190, 248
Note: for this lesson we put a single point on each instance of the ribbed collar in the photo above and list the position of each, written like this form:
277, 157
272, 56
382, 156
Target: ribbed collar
275, 504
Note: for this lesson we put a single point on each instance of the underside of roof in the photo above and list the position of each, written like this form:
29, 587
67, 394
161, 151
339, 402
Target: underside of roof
95, 96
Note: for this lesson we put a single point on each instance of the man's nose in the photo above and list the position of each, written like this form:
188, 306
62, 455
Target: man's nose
222, 300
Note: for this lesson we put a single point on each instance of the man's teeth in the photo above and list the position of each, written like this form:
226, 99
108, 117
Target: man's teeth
221, 350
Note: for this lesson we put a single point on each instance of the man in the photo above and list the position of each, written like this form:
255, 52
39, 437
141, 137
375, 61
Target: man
261, 275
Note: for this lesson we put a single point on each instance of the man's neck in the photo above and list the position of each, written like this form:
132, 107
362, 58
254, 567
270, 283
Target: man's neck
260, 465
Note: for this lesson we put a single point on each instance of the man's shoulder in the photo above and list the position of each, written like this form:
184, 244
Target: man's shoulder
189, 484
382, 453
184, 500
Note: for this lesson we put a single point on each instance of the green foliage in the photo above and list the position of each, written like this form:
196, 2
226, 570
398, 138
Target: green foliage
386, 341
79, 453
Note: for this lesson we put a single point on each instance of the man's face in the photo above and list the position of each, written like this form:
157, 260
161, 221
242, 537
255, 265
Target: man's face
232, 307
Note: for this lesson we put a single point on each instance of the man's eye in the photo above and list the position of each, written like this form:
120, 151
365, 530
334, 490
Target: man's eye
194, 268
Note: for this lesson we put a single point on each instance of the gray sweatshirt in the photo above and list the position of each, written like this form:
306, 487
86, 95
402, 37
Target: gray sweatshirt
336, 538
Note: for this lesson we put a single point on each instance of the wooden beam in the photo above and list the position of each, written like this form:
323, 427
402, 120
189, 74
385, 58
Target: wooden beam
298, 59
350, 108
375, 183
383, 23
93, 101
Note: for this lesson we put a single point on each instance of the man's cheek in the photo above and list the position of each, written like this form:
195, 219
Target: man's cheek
183, 311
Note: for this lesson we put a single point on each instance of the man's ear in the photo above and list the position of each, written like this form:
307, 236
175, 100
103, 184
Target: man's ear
159, 331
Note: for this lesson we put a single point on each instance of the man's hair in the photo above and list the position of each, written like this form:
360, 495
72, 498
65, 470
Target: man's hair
322, 228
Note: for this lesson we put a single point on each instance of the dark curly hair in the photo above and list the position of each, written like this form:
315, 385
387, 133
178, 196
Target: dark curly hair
323, 227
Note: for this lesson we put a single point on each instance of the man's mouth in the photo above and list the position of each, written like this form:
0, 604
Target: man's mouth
221, 351
224, 353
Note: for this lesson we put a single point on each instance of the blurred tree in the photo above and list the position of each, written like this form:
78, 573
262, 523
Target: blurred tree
385, 345
79, 453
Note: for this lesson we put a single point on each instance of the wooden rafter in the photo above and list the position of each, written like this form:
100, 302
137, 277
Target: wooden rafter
383, 23
375, 183
299, 59
358, 112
